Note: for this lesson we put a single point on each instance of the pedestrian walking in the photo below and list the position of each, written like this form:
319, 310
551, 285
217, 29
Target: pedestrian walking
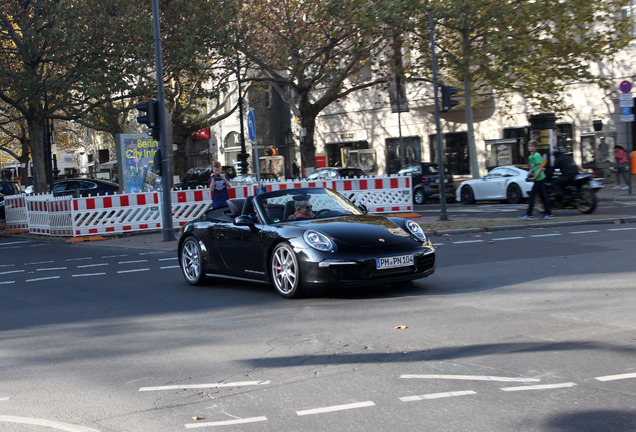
537, 175
295, 169
620, 162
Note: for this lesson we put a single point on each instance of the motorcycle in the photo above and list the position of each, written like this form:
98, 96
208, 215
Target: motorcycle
579, 194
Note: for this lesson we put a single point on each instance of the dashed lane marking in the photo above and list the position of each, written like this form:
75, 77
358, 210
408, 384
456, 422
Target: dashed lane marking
539, 387
88, 274
616, 377
199, 386
508, 238
437, 395
546, 235
43, 279
226, 422
133, 270
471, 378
46, 423
335, 408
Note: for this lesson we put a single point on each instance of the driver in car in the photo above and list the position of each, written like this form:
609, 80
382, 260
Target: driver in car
303, 210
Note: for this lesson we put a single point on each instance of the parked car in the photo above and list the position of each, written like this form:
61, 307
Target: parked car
260, 239
425, 180
200, 176
251, 178
8, 187
83, 187
336, 172
505, 183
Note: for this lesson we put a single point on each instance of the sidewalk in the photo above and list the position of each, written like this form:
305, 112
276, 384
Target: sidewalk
431, 224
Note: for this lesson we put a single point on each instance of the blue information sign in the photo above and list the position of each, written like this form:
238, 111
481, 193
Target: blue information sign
251, 125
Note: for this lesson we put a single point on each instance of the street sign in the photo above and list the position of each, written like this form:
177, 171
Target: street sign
626, 100
627, 118
625, 86
626, 110
251, 126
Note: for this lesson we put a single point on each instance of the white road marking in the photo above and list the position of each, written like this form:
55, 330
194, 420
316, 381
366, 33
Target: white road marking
212, 385
42, 279
621, 229
616, 377
11, 271
468, 241
39, 262
585, 232
46, 423
334, 408
132, 262
169, 267
4, 398
7, 282
52, 269
546, 235
225, 422
114, 256
167, 259
88, 274
133, 270
79, 259
471, 378
437, 395
539, 387
508, 238
92, 265
13, 243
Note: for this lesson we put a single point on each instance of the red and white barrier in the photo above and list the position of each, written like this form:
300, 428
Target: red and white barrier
120, 213
15, 209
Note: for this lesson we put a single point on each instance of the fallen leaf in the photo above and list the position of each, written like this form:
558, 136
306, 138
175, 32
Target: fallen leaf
400, 327
197, 418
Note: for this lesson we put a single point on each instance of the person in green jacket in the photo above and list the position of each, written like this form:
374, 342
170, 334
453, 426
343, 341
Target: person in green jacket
537, 175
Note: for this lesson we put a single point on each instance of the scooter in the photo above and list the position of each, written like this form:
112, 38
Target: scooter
580, 194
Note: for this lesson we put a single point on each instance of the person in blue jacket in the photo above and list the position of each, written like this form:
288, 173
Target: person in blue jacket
219, 184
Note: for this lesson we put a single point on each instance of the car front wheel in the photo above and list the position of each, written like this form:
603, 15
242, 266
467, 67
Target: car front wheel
191, 261
285, 271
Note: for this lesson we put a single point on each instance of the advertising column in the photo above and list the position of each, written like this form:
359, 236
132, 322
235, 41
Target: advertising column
136, 158
542, 129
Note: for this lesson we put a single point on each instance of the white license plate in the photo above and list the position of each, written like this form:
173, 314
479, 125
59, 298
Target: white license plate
393, 262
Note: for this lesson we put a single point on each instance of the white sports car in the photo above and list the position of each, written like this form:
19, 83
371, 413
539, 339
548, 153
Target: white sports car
502, 183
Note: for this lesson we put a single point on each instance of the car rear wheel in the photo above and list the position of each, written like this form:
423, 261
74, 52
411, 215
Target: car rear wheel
285, 271
513, 194
419, 197
191, 261
467, 195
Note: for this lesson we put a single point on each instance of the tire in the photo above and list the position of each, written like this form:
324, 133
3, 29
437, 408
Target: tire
467, 195
513, 194
191, 261
285, 271
419, 197
586, 201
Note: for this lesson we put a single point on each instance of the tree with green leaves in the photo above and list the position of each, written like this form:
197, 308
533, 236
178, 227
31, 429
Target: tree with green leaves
313, 48
526, 47
59, 58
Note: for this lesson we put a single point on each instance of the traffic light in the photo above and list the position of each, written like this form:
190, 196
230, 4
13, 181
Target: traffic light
151, 117
447, 102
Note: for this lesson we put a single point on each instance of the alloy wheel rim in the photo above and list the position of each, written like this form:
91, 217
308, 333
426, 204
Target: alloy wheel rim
284, 270
191, 260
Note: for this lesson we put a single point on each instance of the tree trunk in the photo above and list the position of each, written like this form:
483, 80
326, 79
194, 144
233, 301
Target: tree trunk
36, 126
308, 125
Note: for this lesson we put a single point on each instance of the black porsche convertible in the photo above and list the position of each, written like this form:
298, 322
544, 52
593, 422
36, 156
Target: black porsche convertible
301, 240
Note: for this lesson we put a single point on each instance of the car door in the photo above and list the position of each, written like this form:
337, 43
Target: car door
493, 184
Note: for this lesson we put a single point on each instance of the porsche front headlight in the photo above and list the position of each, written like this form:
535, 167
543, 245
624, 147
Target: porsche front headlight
416, 230
318, 241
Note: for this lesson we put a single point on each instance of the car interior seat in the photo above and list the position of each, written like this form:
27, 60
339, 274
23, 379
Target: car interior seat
290, 209
236, 206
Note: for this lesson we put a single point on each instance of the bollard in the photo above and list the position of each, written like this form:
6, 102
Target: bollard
632, 157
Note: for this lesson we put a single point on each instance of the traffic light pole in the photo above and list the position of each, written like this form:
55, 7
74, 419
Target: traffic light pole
440, 157
166, 182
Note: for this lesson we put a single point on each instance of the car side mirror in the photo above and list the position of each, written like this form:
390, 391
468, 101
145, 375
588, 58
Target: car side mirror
363, 208
243, 220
